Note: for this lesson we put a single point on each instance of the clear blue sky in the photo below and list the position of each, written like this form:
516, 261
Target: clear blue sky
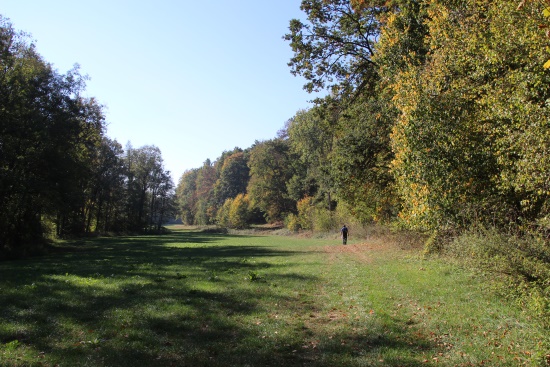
194, 78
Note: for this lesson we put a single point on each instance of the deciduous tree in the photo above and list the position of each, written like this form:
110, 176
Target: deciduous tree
333, 48
270, 170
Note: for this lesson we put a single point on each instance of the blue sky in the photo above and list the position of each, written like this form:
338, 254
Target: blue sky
193, 78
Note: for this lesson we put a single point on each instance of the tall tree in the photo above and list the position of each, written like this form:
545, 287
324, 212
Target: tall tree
361, 159
471, 118
270, 169
206, 209
163, 201
145, 173
186, 193
107, 198
233, 176
311, 136
47, 137
334, 48
74, 153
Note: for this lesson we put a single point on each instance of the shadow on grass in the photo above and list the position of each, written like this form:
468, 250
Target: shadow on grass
181, 299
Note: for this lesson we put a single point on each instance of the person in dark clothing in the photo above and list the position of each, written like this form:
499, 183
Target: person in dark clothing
344, 231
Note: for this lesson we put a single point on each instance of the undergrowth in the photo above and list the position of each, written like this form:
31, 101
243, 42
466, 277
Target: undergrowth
519, 264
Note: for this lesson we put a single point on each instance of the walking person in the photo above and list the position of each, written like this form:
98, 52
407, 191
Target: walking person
344, 231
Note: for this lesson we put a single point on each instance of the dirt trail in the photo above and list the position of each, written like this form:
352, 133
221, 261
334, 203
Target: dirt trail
362, 252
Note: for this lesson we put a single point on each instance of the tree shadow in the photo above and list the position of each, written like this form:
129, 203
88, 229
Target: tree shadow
135, 301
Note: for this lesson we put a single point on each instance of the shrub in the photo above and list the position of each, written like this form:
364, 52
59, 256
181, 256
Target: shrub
292, 223
239, 212
223, 213
306, 212
324, 220
522, 262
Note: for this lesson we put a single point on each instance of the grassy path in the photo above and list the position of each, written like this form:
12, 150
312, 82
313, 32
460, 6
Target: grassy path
200, 299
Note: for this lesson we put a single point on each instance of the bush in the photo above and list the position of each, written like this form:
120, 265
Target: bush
306, 212
325, 221
239, 212
292, 223
223, 213
523, 263
235, 212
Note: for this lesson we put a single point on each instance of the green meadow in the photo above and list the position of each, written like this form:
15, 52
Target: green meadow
191, 298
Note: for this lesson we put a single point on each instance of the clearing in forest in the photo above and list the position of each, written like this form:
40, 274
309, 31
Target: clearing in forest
204, 299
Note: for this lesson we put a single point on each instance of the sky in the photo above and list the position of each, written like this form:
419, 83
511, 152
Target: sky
194, 78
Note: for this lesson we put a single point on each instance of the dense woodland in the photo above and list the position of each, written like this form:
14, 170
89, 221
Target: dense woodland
60, 175
436, 119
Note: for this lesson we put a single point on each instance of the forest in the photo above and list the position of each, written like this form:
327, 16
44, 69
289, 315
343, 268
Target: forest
435, 120
60, 175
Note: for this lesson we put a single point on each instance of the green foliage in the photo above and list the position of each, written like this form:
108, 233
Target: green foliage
222, 217
59, 174
186, 196
306, 213
203, 193
311, 137
150, 189
235, 213
292, 222
361, 160
324, 220
314, 218
333, 49
356, 223
106, 209
470, 118
233, 176
206, 206
523, 263
49, 137
239, 212
253, 276
270, 169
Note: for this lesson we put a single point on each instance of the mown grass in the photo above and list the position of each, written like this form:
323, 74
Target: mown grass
207, 299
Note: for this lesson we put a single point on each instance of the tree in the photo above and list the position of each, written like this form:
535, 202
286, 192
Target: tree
239, 213
334, 48
311, 136
205, 210
471, 119
270, 169
163, 201
361, 159
75, 151
107, 197
338, 49
145, 176
58, 172
48, 134
186, 194
233, 176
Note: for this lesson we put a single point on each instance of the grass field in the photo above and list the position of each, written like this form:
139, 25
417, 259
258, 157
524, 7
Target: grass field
204, 299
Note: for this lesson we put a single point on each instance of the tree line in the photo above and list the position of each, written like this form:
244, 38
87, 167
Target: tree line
436, 118
60, 175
